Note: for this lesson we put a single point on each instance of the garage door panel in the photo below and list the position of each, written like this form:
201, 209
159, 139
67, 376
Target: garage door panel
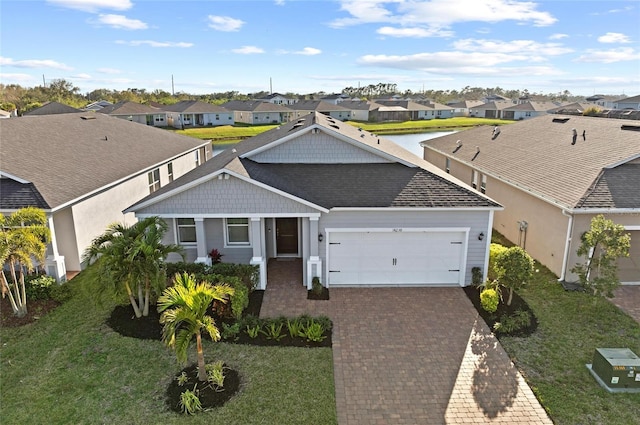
395, 258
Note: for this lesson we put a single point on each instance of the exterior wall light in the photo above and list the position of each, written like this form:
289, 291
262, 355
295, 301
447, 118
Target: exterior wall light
320, 237
481, 236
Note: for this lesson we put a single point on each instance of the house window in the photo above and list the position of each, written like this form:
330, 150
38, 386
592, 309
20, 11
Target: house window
197, 153
217, 117
154, 180
237, 231
170, 171
186, 230
483, 184
474, 179
447, 165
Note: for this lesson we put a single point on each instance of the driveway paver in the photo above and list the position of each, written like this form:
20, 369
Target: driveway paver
410, 355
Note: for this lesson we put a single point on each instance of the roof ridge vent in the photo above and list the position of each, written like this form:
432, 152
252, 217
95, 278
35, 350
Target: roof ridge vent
630, 127
560, 120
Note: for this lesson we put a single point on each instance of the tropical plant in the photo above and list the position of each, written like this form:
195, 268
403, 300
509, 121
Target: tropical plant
489, 300
182, 379
130, 259
190, 402
273, 330
316, 286
602, 245
38, 287
216, 256
184, 315
253, 331
230, 332
294, 326
514, 322
313, 331
215, 375
514, 268
24, 236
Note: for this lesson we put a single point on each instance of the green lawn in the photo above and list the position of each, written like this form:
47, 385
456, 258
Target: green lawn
571, 326
70, 367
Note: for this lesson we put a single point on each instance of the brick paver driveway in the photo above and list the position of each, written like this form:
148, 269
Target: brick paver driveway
413, 356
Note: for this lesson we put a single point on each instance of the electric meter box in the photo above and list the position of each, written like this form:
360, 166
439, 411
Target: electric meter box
617, 369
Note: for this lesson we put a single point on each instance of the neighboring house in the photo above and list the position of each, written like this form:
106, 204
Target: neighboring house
575, 108
437, 110
605, 102
526, 98
530, 109
96, 106
490, 110
360, 109
496, 98
335, 98
52, 108
304, 107
4, 114
628, 103
278, 99
193, 113
136, 112
84, 169
462, 108
358, 209
382, 113
552, 183
257, 111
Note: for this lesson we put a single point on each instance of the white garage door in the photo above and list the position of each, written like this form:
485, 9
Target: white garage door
395, 258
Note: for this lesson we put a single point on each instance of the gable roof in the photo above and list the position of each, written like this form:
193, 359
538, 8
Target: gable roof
533, 106
316, 105
129, 108
74, 155
494, 106
16, 195
52, 108
336, 183
536, 155
254, 106
632, 99
195, 107
408, 105
359, 105
466, 104
617, 187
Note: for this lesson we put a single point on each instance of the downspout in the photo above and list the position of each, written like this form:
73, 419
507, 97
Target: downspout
565, 259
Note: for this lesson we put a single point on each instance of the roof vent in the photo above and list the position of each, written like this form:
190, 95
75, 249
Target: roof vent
477, 153
334, 126
560, 120
458, 146
630, 127
575, 136
88, 117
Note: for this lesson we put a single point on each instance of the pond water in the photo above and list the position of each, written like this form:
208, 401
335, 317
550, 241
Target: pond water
410, 142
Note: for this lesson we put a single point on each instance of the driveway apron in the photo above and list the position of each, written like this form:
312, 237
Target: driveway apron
413, 356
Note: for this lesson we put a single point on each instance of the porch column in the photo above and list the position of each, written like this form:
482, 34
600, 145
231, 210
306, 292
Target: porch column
314, 265
258, 257
54, 262
201, 242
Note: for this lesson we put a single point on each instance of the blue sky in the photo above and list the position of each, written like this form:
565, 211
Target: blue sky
585, 47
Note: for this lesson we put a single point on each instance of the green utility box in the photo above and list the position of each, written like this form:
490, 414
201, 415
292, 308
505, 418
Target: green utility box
617, 369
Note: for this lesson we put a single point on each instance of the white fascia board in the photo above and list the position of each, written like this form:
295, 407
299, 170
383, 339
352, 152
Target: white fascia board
474, 209
465, 230
124, 179
236, 215
604, 211
12, 177
623, 161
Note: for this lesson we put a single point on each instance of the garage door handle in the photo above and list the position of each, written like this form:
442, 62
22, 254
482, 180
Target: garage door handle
334, 271
456, 243
453, 270
334, 243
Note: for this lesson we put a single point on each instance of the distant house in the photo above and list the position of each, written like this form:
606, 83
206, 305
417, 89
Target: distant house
490, 110
193, 113
575, 108
603, 101
95, 106
304, 107
355, 208
437, 110
360, 109
400, 110
278, 99
552, 174
257, 111
628, 103
462, 108
496, 98
84, 169
530, 109
136, 112
335, 98
52, 108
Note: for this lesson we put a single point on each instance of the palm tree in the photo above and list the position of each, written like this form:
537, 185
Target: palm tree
184, 314
24, 236
131, 258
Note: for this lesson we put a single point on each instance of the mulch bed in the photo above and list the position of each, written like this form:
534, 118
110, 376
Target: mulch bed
208, 395
35, 310
517, 303
322, 296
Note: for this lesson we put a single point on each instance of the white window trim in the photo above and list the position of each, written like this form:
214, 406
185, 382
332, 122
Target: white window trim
178, 226
225, 231
483, 184
152, 175
474, 179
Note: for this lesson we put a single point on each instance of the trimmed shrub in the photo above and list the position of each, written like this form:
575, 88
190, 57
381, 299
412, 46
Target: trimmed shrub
494, 250
182, 267
38, 287
249, 274
489, 300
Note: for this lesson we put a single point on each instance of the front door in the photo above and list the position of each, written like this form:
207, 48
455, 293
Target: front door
287, 236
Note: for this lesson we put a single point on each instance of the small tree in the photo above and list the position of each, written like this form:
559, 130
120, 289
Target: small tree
514, 268
601, 246
184, 315
24, 236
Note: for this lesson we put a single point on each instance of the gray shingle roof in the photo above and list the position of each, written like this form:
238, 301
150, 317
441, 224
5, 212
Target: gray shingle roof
129, 108
67, 156
617, 187
16, 195
316, 105
195, 107
52, 108
537, 154
254, 106
418, 173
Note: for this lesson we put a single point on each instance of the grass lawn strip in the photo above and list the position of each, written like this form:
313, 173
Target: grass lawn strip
69, 367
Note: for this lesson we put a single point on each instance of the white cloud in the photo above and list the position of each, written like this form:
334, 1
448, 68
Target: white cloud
308, 51
279, 2
109, 71
248, 50
614, 37
441, 13
514, 46
152, 43
609, 56
225, 23
120, 22
81, 77
7, 78
34, 63
415, 32
93, 6
440, 60
558, 36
